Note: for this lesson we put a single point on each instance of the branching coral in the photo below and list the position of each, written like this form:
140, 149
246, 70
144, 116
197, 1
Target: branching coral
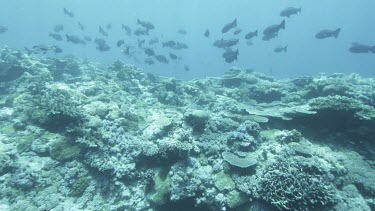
295, 184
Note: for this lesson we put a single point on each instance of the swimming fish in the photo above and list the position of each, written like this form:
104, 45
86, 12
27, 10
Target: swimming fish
56, 36
207, 33
182, 31
251, 35
141, 31
280, 49
172, 56
326, 33
57, 49
274, 29
268, 37
68, 13
120, 43
99, 41
229, 26
3, 29
149, 52
290, 11
230, 55
58, 28
126, 51
169, 43
361, 48
225, 43
101, 31
179, 46
103, 47
127, 29
146, 24
43, 49
75, 39
161, 59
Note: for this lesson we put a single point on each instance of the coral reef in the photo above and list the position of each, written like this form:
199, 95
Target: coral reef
242, 162
296, 184
80, 136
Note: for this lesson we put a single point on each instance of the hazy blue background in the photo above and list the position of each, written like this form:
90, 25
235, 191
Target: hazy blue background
30, 22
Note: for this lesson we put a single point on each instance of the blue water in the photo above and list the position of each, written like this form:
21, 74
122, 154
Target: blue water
30, 22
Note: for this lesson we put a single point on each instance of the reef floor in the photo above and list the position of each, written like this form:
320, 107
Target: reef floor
75, 135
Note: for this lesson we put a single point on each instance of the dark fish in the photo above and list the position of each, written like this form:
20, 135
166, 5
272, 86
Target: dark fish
207, 33
43, 49
127, 29
229, 26
120, 43
225, 43
326, 33
146, 24
149, 52
87, 38
68, 13
161, 59
3, 29
81, 26
58, 28
126, 51
230, 55
237, 31
274, 29
149, 61
57, 49
99, 41
108, 26
141, 31
280, 49
173, 56
182, 31
75, 39
251, 35
103, 47
169, 43
55, 36
179, 46
290, 11
153, 41
40, 49
361, 48
186, 68
268, 37
141, 42
101, 31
